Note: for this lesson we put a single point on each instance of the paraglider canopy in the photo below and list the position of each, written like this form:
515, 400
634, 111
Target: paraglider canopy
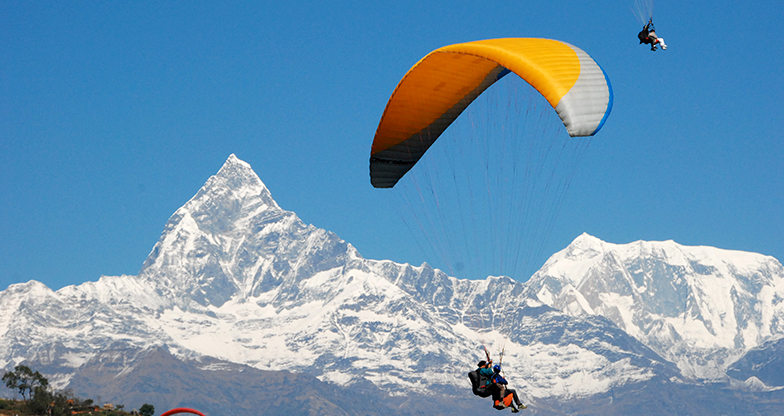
182, 410
441, 85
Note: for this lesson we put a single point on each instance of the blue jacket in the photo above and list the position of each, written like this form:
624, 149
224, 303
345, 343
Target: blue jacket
498, 379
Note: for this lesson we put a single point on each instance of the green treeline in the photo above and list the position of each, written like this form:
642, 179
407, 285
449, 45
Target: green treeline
39, 399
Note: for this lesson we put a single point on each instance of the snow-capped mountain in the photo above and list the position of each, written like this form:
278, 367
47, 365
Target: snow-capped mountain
699, 307
236, 278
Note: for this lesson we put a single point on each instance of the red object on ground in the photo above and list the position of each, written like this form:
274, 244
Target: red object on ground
182, 410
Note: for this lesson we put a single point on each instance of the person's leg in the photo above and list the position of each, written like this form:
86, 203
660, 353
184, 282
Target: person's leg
502, 394
496, 394
513, 392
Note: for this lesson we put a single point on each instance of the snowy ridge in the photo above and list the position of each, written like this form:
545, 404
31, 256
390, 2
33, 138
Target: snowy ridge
700, 307
235, 277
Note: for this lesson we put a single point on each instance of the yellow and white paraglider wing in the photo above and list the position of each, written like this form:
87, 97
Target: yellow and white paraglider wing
441, 85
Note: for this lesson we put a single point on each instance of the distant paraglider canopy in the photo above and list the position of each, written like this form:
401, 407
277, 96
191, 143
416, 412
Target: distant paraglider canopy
182, 410
643, 10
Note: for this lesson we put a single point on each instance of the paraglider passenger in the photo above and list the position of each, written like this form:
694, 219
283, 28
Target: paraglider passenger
648, 36
501, 392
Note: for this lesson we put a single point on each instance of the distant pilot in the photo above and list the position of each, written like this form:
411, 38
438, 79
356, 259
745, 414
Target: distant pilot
648, 36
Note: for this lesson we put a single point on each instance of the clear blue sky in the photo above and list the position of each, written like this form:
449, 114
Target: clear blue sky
113, 115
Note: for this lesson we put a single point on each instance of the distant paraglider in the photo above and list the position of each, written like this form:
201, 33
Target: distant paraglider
648, 36
643, 10
182, 410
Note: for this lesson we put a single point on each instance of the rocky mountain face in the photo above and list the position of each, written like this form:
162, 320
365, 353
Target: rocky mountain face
761, 366
237, 280
216, 387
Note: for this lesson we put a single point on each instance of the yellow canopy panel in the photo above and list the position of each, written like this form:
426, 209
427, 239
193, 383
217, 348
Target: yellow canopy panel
441, 85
